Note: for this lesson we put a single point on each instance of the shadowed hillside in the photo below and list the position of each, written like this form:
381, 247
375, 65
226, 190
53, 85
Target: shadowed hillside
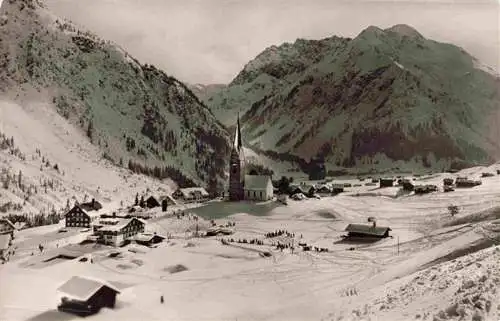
138, 115
386, 99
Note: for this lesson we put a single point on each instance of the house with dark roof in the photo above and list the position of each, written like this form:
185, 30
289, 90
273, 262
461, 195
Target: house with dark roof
7, 227
152, 202
77, 217
258, 188
370, 231
91, 206
85, 296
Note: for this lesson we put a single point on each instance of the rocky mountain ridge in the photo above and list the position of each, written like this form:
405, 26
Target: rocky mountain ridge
386, 99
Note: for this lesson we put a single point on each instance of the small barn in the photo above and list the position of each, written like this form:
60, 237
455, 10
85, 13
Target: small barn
152, 202
148, 239
386, 182
77, 217
448, 181
337, 188
85, 296
363, 230
295, 189
407, 185
7, 227
425, 189
258, 188
323, 189
91, 206
465, 182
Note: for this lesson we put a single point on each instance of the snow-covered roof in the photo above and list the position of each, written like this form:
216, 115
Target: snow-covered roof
170, 198
4, 241
162, 197
82, 288
109, 221
190, 191
257, 182
146, 237
367, 229
120, 224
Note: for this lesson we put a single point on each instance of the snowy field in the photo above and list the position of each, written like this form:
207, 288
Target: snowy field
426, 277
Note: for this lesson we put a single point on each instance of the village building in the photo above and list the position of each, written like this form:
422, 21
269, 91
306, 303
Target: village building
323, 189
362, 230
386, 182
152, 202
466, 182
191, 194
156, 201
7, 227
91, 206
85, 296
258, 188
303, 188
448, 181
407, 185
337, 188
78, 217
117, 231
148, 239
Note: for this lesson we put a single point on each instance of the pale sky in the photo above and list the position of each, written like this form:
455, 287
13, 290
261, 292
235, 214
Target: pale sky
210, 41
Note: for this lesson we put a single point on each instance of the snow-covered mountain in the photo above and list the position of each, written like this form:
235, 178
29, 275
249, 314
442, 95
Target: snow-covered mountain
385, 99
205, 91
136, 114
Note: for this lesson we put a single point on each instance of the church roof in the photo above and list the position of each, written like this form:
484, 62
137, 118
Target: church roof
257, 182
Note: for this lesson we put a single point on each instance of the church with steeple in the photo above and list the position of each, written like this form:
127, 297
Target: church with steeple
237, 167
242, 186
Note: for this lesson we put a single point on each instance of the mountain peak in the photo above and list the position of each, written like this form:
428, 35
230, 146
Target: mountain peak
404, 30
372, 30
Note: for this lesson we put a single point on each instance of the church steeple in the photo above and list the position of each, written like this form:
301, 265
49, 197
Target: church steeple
237, 135
236, 169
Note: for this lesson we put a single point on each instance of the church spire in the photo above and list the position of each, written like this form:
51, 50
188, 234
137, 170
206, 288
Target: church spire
237, 136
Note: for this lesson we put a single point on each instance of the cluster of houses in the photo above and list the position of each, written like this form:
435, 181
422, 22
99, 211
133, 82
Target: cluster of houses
117, 230
110, 231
